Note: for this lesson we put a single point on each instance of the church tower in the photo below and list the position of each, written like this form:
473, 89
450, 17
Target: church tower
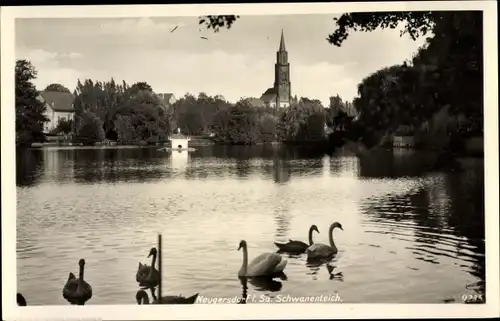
282, 85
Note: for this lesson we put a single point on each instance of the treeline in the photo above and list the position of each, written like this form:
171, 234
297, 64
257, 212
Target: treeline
244, 123
103, 110
132, 114
445, 73
127, 114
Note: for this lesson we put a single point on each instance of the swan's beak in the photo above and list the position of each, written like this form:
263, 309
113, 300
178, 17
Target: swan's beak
239, 247
340, 227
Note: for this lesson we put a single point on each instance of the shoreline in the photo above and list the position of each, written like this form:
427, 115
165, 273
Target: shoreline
459, 155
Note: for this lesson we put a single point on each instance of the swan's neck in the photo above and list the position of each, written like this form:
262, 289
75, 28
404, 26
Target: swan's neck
311, 236
153, 262
332, 243
245, 261
80, 274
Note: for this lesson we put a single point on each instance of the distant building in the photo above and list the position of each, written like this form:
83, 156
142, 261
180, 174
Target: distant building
59, 106
168, 98
255, 102
179, 141
220, 97
280, 94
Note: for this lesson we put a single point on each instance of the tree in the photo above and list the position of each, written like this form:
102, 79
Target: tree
103, 99
30, 110
124, 129
450, 63
295, 125
138, 87
267, 128
143, 117
58, 88
64, 126
417, 23
196, 115
238, 125
90, 130
217, 22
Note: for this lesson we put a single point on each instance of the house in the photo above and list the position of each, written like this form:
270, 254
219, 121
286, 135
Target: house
269, 97
220, 97
168, 98
59, 106
179, 141
255, 102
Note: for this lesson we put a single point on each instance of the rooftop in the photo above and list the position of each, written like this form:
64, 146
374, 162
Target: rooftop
59, 101
268, 95
178, 136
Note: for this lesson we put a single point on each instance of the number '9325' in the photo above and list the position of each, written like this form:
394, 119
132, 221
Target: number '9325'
472, 298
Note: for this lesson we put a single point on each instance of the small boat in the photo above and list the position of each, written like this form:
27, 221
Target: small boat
167, 149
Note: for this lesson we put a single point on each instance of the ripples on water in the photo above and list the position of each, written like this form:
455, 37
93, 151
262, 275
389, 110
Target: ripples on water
410, 235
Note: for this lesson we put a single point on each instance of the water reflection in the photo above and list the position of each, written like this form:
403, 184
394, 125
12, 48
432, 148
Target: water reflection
244, 293
282, 172
29, 167
394, 164
116, 165
439, 222
179, 160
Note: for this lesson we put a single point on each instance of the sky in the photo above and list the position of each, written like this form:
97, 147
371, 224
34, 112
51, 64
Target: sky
235, 63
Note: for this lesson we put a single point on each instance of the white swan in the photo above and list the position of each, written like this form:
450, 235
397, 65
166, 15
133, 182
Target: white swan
266, 264
319, 251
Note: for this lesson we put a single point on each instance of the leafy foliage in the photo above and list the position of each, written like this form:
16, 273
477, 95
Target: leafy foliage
302, 122
64, 126
128, 113
268, 128
217, 22
30, 111
90, 130
447, 72
417, 23
57, 87
143, 117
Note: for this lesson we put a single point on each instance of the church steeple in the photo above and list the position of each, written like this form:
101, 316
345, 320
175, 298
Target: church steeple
282, 75
282, 42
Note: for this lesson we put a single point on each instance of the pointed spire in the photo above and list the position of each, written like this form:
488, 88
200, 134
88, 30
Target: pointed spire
282, 43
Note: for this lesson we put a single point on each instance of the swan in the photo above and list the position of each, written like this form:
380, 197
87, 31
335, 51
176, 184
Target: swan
21, 301
142, 298
297, 246
77, 291
322, 251
148, 276
266, 264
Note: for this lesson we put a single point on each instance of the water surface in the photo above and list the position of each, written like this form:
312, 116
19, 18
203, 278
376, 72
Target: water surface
411, 234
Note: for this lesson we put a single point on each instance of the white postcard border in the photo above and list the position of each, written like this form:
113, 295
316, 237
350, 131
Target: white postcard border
250, 311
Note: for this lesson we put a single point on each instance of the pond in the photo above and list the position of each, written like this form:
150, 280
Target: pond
410, 234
